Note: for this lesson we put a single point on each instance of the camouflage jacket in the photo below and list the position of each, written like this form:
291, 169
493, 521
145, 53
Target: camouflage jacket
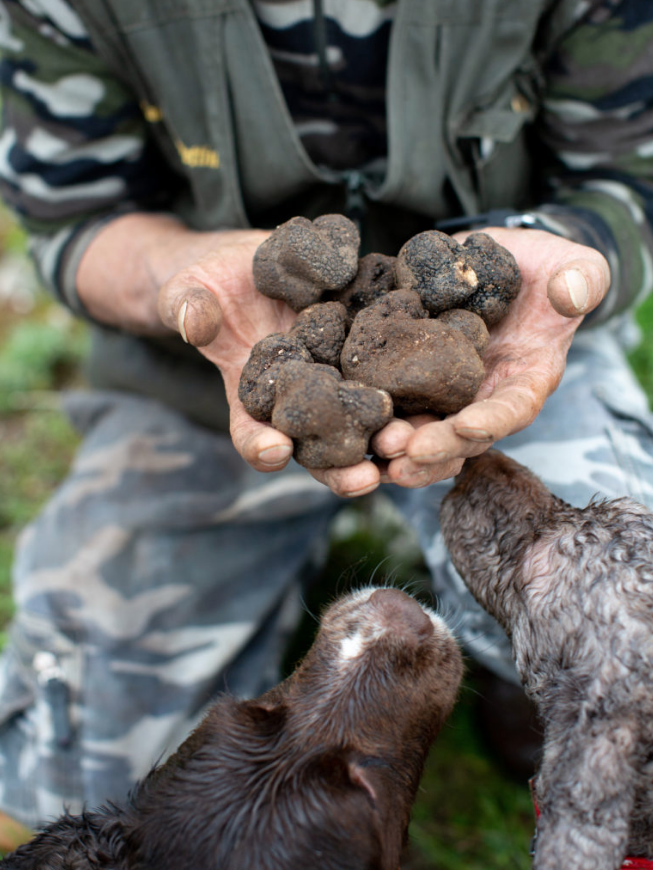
80, 146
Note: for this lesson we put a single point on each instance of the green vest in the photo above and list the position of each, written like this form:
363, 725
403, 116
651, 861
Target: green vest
463, 81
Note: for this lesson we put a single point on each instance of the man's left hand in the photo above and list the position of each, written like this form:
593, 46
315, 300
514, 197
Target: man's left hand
525, 359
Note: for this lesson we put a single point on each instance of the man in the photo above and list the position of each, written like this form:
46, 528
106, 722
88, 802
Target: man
149, 147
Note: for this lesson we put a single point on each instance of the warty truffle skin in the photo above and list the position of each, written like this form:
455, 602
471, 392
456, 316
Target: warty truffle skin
302, 258
258, 380
329, 420
322, 328
435, 265
375, 278
480, 275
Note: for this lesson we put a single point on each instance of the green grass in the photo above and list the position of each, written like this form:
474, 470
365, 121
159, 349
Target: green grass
641, 358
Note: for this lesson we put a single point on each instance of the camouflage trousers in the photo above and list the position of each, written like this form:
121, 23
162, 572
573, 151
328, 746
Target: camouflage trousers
164, 570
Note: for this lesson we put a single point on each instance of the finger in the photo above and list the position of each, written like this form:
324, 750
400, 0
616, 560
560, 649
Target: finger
438, 444
391, 441
350, 482
577, 287
262, 446
411, 475
514, 404
193, 312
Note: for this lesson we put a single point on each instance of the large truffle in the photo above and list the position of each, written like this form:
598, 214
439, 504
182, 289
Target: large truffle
480, 274
302, 258
322, 328
437, 267
329, 420
426, 365
258, 380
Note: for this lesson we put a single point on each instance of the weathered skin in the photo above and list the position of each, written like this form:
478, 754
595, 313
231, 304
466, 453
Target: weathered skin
573, 588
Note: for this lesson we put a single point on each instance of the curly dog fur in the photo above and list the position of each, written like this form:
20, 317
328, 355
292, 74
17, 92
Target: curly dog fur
573, 588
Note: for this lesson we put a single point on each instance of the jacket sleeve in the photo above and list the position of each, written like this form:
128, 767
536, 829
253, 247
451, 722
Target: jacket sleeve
74, 148
597, 129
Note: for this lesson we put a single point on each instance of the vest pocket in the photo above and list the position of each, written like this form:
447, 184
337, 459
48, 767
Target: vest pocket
491, 138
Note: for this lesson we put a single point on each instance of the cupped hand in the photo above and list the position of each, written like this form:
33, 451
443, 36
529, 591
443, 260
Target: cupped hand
525, 359
215, 306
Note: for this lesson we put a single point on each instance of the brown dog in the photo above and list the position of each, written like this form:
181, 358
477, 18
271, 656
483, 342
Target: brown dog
319, 772
573, 589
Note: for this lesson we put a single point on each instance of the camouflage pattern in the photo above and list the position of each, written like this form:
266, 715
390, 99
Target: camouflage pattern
333, 62
165, 570
596, 121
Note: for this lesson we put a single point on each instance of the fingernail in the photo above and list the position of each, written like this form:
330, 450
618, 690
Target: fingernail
442, 456
578, 290
181, 320
474, 434
274, 455
395, 455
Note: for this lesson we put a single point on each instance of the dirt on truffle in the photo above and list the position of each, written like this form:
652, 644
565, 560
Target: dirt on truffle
374, 279
330, 420
258, 381
471, 325
424, 364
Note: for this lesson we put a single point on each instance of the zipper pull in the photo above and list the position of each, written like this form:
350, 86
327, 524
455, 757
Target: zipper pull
49, 676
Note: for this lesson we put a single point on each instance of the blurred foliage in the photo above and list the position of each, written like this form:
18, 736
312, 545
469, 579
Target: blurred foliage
38, 355
641, 358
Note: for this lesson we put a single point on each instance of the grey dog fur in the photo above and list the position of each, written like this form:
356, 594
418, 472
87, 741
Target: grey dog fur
573, 588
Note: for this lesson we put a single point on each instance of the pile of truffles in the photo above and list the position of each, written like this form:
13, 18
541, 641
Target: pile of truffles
375, 337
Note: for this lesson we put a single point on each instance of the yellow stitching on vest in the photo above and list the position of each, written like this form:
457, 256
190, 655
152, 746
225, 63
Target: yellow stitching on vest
198, 155
153, 114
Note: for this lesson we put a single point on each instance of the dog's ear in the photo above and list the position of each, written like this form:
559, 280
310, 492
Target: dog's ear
367, 791
266, 719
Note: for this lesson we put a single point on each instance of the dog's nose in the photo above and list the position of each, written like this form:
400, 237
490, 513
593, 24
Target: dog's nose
399, 611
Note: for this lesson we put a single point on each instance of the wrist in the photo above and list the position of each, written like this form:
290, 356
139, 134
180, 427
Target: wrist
129, 259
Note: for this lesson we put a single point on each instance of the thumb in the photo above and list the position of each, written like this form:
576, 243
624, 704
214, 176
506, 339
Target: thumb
193, 312
578, 286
